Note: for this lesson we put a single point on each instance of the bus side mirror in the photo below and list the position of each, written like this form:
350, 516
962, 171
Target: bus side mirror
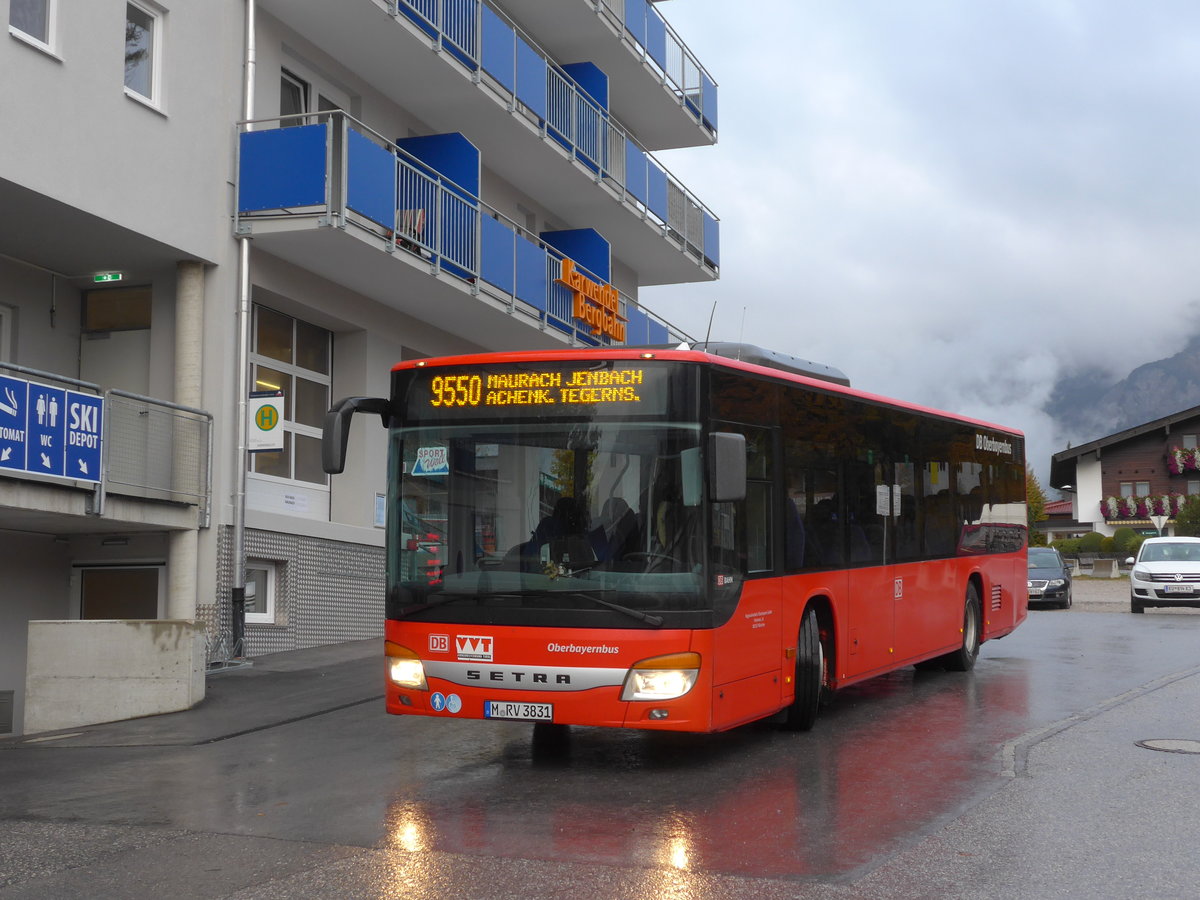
726, 466
336, 432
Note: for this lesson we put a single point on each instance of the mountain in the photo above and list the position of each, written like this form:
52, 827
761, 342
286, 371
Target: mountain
1089, 405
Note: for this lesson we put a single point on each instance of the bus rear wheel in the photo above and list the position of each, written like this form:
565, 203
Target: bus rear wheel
963, 659
810, 675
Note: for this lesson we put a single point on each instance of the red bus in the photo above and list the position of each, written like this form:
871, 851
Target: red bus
679, 540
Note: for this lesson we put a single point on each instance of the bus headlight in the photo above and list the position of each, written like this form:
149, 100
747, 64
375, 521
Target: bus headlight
661, 677
404, 667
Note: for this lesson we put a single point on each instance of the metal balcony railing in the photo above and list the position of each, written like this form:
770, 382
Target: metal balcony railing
486, 41
464, 28
334, 170
149, 448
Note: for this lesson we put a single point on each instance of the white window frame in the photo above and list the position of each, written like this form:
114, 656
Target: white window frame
48, 45
270, 570
319, 90
290, 425
156, 14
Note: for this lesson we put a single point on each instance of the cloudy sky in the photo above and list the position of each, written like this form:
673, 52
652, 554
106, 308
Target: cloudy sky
953, 201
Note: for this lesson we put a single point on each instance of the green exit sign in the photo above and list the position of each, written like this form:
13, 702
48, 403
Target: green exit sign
107, 276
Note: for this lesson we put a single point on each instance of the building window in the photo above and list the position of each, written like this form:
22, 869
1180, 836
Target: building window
120, 592
293, 356
1193, 488
117, 309
260, 592
32, 19
1189, 442
1135, 488
293, 97
143, 40
299, 96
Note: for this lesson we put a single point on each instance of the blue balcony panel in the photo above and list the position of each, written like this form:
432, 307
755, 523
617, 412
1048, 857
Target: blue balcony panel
282, 168
371, 180
712, 240
531, 79
656, 191
499, 50
656, 37
497, 254
591, 79
586, 248
709, 101
533, 283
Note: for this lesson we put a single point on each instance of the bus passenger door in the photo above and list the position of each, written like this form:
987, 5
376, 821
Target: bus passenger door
872, 590
747, 652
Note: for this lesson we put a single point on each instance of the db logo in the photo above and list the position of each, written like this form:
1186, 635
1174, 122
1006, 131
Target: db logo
471, 646
439, 643
898, 589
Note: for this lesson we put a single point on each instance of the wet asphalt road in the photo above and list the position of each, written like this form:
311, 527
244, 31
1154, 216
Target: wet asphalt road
1020, 779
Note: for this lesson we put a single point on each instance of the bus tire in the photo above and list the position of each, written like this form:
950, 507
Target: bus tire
963, 659
801, 715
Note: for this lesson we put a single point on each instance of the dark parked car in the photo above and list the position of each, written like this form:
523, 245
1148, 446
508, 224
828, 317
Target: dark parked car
1049, 578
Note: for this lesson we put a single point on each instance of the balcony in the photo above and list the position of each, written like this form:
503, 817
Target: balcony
535, 125
404, 226
585, 29
658, 86
133, 464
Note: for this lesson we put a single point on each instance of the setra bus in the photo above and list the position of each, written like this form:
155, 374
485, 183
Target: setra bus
675, 539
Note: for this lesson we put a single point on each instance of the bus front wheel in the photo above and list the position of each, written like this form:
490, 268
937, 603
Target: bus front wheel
963, 659
810, 675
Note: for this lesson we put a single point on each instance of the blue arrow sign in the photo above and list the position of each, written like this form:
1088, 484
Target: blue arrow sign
47, 418
51, 431
13, 398
84, 417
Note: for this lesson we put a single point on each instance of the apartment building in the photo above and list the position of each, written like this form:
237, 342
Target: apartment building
285, 197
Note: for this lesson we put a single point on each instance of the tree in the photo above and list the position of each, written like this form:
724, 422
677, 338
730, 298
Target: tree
1187, 520
1035, 504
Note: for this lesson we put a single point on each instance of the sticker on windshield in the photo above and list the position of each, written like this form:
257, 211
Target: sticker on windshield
432, 461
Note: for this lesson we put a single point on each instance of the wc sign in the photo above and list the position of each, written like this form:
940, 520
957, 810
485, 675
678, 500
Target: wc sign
50, 431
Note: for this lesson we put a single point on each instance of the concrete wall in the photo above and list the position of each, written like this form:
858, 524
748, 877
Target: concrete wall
36, 586
84, 672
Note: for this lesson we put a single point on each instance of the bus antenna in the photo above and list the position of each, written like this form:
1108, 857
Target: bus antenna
708, 333
742, 332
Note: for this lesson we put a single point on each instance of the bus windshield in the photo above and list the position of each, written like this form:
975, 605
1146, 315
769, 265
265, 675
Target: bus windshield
589, 523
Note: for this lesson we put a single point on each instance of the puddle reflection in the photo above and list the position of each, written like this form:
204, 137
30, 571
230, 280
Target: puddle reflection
889, 758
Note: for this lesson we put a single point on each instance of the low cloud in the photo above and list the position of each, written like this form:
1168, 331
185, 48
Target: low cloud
956, 204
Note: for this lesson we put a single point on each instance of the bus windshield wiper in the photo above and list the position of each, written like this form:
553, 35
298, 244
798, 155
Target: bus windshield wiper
648, 618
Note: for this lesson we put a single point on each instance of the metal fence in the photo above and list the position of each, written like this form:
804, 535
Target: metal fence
157, 449
150, 448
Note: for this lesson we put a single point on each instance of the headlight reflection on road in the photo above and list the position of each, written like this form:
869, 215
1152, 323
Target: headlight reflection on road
409, 828
675, 858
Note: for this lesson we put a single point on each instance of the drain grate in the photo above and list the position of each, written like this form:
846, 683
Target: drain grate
1171, 745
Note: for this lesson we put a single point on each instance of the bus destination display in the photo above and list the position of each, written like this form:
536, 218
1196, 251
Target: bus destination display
545, 389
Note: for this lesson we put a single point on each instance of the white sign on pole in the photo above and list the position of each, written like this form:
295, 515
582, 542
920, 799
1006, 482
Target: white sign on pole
264, 432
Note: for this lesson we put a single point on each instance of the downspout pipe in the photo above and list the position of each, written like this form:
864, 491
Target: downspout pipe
238, 591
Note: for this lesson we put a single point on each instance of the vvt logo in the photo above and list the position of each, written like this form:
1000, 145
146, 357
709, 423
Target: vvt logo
472, 646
